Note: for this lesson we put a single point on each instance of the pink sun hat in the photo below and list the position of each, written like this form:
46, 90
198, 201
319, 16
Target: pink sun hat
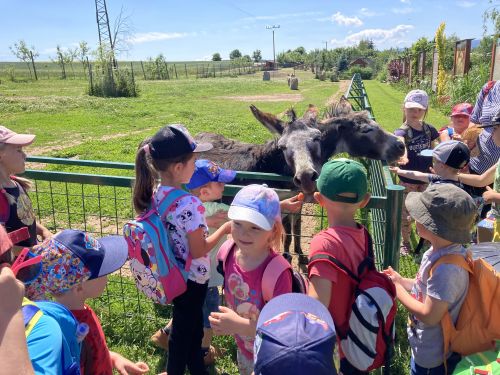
12, 138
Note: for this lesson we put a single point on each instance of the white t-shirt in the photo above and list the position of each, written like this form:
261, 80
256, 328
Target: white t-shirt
185, 216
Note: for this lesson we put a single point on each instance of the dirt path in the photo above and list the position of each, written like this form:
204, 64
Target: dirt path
264, 98
343, 85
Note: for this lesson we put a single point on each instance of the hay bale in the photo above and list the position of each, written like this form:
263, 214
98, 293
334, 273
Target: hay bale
294, 83
266, 76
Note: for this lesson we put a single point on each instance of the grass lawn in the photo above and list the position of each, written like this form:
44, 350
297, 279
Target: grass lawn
387, 104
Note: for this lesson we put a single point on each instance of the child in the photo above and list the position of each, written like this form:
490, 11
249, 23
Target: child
256, 230
444, 215
460, 121
448, 157
207, 183
492, 175
170, 155
295, 336
417, 136
75, 266
342, 190
15, 205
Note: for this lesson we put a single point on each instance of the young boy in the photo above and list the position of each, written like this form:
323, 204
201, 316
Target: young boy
444, 215
75, 266
448, 159
207, 183
342, 190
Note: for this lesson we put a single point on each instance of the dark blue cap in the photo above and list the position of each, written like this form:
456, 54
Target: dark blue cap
295, 335
207, 171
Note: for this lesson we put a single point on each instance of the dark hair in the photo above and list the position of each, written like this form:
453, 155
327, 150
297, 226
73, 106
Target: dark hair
147, 171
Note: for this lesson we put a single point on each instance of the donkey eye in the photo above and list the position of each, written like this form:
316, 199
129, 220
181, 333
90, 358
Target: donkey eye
367, 130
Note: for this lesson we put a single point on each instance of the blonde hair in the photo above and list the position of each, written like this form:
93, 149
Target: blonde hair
277, 237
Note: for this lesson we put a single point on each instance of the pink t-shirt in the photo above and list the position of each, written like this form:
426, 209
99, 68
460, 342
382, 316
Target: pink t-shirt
243, 292
348, 246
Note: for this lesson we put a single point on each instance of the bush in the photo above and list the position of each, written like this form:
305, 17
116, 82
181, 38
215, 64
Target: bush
113, 83
366, 73
382, 76
466, 88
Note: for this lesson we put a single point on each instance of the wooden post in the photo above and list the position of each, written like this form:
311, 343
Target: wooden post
166, 68
197, 72
158, 71
90, 77
175, 70
143, 72
33, 62
186, 70
132, 70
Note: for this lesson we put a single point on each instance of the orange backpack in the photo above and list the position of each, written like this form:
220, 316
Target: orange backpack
478, 323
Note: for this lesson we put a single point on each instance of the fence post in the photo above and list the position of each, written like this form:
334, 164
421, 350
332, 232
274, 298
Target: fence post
33, 62
186, 70
143, 72
175, 70
393, 226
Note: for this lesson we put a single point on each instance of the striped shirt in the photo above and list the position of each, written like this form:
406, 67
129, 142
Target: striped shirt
487, 106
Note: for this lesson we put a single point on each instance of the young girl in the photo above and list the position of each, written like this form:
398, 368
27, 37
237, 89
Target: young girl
15, 205
417, 136
460, 121
170, 155
256, 230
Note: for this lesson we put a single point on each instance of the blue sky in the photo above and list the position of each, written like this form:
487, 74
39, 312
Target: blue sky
194, 30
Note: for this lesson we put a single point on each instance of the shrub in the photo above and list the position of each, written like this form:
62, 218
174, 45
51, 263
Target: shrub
382, 76
366, 73
113, 83
465, 88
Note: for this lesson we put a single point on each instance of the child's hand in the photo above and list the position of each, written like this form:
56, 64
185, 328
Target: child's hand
293, 204
490, 195
394, 169
456, 137
125, 366
403, 160
217, 219
225, 322
226, 227
393, 275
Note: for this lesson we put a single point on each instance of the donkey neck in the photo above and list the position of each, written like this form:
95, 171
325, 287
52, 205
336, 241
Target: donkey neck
269, 158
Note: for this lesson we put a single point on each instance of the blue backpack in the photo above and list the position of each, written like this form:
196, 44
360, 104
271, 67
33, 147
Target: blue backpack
71, 347
157, 273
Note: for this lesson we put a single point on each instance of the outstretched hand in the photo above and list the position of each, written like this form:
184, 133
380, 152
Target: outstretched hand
393, 275
293, 204
217, 219
125, 366
490, 195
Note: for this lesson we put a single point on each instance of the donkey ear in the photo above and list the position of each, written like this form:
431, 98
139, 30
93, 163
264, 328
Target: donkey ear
310, 115
270, 121
291, 115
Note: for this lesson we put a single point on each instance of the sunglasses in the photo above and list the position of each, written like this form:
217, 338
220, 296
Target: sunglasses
27, 266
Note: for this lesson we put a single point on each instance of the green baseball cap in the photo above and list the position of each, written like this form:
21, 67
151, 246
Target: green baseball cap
343, 176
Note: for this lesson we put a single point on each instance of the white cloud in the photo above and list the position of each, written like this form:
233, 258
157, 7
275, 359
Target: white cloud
406, 1
154, 36
406, 10
365, 12
380, 37
340, 19
282, 16
466, 4
49, 51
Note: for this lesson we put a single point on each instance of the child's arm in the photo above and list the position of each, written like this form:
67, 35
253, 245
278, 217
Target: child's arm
491, 196
397, 278
125, 366
292, 204
320, 289
228, 322
484, 179
414, 175
430, 312
42, 231
199, 246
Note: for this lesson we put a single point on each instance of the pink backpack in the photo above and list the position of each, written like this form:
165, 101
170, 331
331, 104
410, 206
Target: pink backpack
276, 266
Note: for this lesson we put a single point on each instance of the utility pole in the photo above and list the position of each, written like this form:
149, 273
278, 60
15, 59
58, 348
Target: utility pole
105, 38
326, 45
274, 53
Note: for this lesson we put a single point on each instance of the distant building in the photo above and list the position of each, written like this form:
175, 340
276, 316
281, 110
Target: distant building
361, 61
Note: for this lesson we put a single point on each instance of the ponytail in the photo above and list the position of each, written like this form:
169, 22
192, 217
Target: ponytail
145, 179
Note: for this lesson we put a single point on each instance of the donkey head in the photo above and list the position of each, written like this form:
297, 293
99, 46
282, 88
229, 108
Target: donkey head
358, 135
300, 142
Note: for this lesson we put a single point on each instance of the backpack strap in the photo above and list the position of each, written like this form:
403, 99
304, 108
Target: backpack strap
222, 255
276, 266
31, 315
408, 132
324, 257
168, 200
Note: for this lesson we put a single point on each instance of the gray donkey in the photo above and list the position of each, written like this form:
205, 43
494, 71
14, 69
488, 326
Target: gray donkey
301, 146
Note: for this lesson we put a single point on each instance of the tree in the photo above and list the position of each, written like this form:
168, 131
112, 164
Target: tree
83, 52
216, 57
60, 60
235, 54
300, 50
440, 40
491, 14
123, 28
246, 58
257, 56
23, 53
342, 63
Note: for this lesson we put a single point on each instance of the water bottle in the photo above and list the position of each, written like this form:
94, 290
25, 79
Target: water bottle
81, 331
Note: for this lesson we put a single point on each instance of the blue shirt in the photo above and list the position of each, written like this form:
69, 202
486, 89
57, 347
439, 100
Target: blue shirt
44, 346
